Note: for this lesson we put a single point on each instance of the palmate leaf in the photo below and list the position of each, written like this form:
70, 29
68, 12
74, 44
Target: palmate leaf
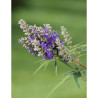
59, 84
44, 63
77, 77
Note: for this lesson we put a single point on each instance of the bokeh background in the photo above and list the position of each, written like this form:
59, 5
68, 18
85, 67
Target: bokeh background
71, 14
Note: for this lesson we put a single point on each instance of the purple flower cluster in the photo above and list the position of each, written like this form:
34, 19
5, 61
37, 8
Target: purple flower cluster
43, 42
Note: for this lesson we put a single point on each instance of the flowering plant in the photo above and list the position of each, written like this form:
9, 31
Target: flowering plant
46, 42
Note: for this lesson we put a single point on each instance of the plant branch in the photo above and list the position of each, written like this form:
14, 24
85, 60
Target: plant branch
81, 64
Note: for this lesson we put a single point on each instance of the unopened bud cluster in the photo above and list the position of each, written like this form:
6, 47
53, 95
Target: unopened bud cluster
66, 35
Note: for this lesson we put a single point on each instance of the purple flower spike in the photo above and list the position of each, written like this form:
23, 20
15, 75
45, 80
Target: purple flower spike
44, 42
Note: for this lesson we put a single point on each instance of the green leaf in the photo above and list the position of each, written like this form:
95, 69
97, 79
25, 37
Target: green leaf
39, 68
77, 77
38, 61
59, 84
76, 67
44, 63
79, 47
81, 55
84, 72
75, 47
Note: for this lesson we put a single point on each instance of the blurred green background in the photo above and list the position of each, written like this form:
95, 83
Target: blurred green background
71, 14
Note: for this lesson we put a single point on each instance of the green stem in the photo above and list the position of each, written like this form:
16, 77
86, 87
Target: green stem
56, 68
57, 52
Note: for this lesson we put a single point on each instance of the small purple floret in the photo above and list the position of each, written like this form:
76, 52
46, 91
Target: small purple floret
45, 29
57, 35
62, 42
58, 50
54, 38
32, 38
29, 50
49, 56
46, 36
33, 53
35, 31
52, 52
66, 60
